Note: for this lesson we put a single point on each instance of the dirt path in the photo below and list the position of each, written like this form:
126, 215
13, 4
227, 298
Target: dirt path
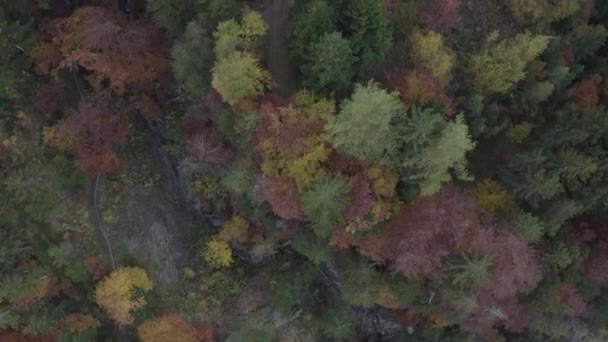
276, 14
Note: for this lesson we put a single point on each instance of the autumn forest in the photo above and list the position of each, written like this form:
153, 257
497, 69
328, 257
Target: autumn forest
303, 170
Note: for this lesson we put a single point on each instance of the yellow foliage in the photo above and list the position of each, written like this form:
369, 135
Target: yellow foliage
167, 328
218, 253
307, 169
492, 196
312, 106
234, 229
430, 52
387, 298
384, 181
115, 293
253, 27
61, 140
78, 323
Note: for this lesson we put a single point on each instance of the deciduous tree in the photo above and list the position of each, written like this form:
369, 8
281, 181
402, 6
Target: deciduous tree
115, 293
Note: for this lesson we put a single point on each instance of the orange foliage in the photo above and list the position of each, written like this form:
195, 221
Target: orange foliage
421, 88
78, 323
109, 44
168, 328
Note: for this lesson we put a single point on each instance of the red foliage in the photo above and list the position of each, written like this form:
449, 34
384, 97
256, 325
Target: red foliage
111, 45
283, 196
204, 142
420, 87
339, 163
3, 151
361, 198
48, 98
449, 222
569, 296
439, 15
205, 332
586, 93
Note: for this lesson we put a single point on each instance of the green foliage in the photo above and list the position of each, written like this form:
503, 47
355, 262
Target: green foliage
192, 59
542, 11
17, 37
239, 178
528, 226
227, 38
468, 271
430, 52
364, 128
311, 21
323, 204
520, 132
43, 320
370, 36
503, 63
586, 40
68, 262
474, 115
212, 12
171, 14
337, 323
329, 64
360, 284
315, 250
561, 256
432, 148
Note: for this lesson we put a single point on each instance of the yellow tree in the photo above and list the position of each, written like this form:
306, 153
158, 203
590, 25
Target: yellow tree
115, 293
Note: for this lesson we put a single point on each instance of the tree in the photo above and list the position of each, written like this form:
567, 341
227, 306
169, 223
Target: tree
360, 283
329, 65
193, 60
586, 94
170, 14
419, 87
324, 204
167, 327
430, 53
204, 142
543, 11
218, 253
364, 128
238, 77
492, 196
468, 271
115, 293
502, 63
367, 26
311, 21
439, 15
234, 229
112, 47
282, 194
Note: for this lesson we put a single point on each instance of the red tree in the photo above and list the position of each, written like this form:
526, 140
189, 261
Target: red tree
439, 15
586, 93
48, 97
569, 296
282, 194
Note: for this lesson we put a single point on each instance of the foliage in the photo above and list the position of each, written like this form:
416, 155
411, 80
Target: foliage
439, 15
329, 64
490, 195
217, 253
311, 21
167, 327
282, 194
369, 34
468, 271
234, 229
324, 204
502, 63
586, 93
520, 132
543, 11
115, 293
192, 59
430, 52
360, 284
337, 323
65, 258
238, 77
170, 14
364, 126
528, 226
419, 87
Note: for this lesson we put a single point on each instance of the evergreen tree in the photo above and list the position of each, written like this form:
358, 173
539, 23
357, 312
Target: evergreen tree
170, 14
324, 204
312, 20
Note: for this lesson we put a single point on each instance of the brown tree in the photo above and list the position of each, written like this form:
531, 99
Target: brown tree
439, 15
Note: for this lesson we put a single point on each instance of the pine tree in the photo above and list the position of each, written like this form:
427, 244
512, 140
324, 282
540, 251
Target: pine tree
468, 271
324, 204
311, 21
192, 59
170, 14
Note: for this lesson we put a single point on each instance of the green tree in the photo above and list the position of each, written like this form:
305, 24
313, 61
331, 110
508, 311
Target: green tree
360, 283
211, 12
468, 271
324, 203
503, 63
193, 59
171, 14
329, 65
364, 128
369, 34
311, 21
542, 11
